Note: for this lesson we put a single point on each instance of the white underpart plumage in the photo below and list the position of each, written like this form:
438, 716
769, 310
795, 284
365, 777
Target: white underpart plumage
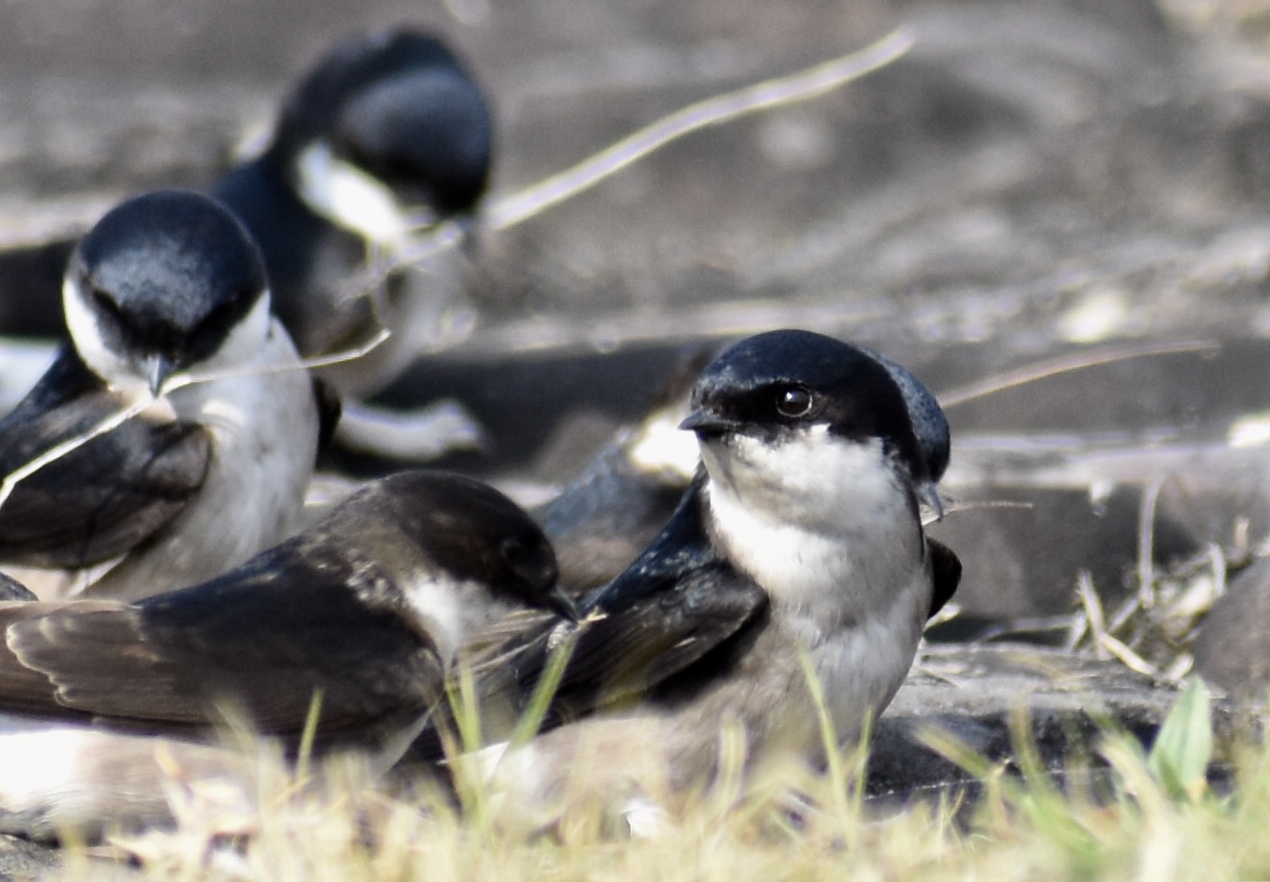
263, 421
56, 778
806, 515
352, 199
438, 603
452, 610
36, 758
828, 528
62, 777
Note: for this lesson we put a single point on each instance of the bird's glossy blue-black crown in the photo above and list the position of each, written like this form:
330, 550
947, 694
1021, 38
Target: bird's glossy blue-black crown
400, 106
929, 422
169, 271
774, 383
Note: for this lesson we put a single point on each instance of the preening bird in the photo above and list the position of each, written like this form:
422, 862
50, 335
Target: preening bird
167, 287
365, 610
387, 135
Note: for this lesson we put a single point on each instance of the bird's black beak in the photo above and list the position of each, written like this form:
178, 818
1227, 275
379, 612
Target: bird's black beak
708, 424
157, 368
562, 603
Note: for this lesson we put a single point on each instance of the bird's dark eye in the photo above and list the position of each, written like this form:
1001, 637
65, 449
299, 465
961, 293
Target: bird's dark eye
529, 560
513, 551
520, 556
106, 305
794, 401
111, 320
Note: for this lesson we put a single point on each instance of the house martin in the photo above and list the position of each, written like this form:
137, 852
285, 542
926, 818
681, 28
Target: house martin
363, 614
168, 311
800, 538
386, 136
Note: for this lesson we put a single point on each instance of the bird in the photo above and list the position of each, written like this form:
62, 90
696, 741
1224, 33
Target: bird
800, 536
166, 288
366, 610
387, 135
617, 504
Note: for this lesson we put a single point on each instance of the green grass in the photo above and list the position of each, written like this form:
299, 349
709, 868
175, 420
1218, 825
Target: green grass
1123, 814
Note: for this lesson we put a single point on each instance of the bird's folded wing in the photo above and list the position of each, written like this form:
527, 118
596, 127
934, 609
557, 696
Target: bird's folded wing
103, 498
621, 654
675, 603
23, 689
262, 652
654, 631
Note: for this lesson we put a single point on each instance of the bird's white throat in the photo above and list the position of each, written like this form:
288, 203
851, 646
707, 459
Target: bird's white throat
812, 513
452, 610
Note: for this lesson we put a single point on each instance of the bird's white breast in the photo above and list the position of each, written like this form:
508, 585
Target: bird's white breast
59, 777
264, 427
828, 528
815, 519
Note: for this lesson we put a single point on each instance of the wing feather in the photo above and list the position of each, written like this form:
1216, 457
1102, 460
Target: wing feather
254, 642
676, 604
104, 498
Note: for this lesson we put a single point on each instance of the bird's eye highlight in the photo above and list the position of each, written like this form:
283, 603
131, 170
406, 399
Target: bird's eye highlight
794, 401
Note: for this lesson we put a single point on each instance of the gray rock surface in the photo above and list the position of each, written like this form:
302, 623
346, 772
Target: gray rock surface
21, 859
1026, 164
970, 692
1233, 646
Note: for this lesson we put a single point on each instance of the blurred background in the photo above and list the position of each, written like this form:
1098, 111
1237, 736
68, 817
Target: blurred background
1046, 166
1035, 180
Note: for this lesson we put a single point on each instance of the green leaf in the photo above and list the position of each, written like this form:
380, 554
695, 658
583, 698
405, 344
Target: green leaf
1184, 745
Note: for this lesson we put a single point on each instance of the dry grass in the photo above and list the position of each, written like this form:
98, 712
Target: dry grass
1143, 817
